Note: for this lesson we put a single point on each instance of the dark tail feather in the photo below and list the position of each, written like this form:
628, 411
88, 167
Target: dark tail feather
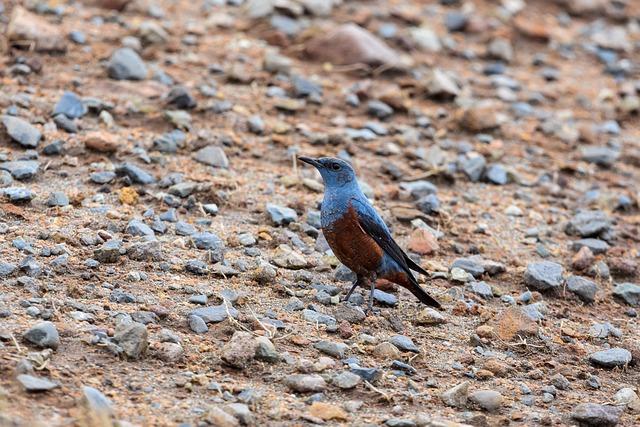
423, 296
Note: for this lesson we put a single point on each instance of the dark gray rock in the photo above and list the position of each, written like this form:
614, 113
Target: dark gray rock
44, 335
139, 228
7, 269
544, 275
18, 195
70, 105
584, 288
34, 384
109, 252
596, 246
21, 169
589, 224
136, 174
473, 167
470, 265
429, 204
628, 292
180, 98
281, 215
596, 415
215, 314
404, 343
126, 64
196, 266
20, 131
611, 358
184, 229
103, 177
379, 109
334, 349
207, 241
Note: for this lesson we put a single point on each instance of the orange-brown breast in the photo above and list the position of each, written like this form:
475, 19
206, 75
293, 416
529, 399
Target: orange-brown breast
353, 247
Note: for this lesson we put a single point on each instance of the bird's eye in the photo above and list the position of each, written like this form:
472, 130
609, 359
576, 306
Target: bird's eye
335, 166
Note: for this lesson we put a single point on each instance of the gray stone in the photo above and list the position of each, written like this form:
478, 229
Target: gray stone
611, 358
596, 415
21, 169
346, 380
404, 343
266, 350
544, 275
103, 177
18, 194
36, 384
385, 298
306, 383
589, 224
628, 292
196, 324
315, 317
196, 266
473, 167
207, 241
109, 252
97, 408
596, 246
497, 174
489, 400
481, 289
349, 313
379, 109
281, 215
584, 288
7, 269
133, 338
57, 198
456, 396
400, 422
5, 178
44, 335
419, 189
240, 350
184, 229
126, 64
601, 156
212, 155
139, 228
429, 204
470, 265
215, 313
334, 349
70, 105
21, 131
136, 174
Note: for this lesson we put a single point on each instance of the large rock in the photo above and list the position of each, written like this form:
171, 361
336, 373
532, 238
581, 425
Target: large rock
133, 338
611, 358
628, 292
240, 350
20, 131
584, 288
126, 64
44, 335
543, 276
26, 29
351, 44
596, 415
213, 156
588, 224
36, 384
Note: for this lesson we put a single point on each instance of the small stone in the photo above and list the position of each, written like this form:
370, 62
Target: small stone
139, 228
96, 407
21, 170
281, 215
588, 224
327, 412
386, 350
473, 167
102, 142
497, 174
104, 177
219, 418
133, 338
70, 105
126, 64
596, 415
489, 400
44, 335
109, 252
306, 383
346, 380
611, 358
583, 259
404, 343
627, 397
400, 422
240, 350
212, 155
379, 109
544, 275
430, 316
136, 174
169, 352
57, 198
422, 242
334, 349
215, 314
179, 97
456, 396
601, 156
34, 384
18, 195
481, 289
196, 324
266, 351
628, 292
584, 288
470, 265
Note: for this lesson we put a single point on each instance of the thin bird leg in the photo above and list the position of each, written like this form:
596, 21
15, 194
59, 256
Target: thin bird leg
373, 287
353, 288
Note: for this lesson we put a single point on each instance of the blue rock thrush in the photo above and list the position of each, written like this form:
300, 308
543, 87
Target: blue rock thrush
358, 236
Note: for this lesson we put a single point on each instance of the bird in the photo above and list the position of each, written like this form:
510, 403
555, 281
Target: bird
358, 236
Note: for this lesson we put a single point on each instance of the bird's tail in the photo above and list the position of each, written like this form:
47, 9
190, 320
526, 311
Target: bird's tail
423, 296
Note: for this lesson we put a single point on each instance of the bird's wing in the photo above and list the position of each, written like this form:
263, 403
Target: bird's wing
375, 227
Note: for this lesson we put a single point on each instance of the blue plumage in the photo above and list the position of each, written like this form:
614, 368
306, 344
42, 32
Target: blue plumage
357, 234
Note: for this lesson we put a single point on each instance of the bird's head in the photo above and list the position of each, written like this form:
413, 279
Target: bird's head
335, 172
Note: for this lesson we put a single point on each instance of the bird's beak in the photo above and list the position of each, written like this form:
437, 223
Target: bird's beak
312, 162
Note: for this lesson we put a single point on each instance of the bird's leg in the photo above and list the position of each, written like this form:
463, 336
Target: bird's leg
372, 281
353, 288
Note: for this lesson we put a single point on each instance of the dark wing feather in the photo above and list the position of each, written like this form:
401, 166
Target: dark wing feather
373, 226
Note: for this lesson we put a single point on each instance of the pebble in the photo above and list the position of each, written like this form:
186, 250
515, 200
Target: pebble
196, 324
404, 343
135, 173
628, 292
596, 415
379, 109
544, 275
215, 314
126, 64
21, 170
239, 350
456, 396
584, 288
611, 358
21, 131
266, 350
596, 246
334, 349
133, 338
136, 227
70, 105
212, 155
35, 384
44, 335
346, 380
489, 400
588, 224
57, 198
281, 215
470, 265
305, 383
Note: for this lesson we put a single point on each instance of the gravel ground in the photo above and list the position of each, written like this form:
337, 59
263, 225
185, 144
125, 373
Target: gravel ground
161, 259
